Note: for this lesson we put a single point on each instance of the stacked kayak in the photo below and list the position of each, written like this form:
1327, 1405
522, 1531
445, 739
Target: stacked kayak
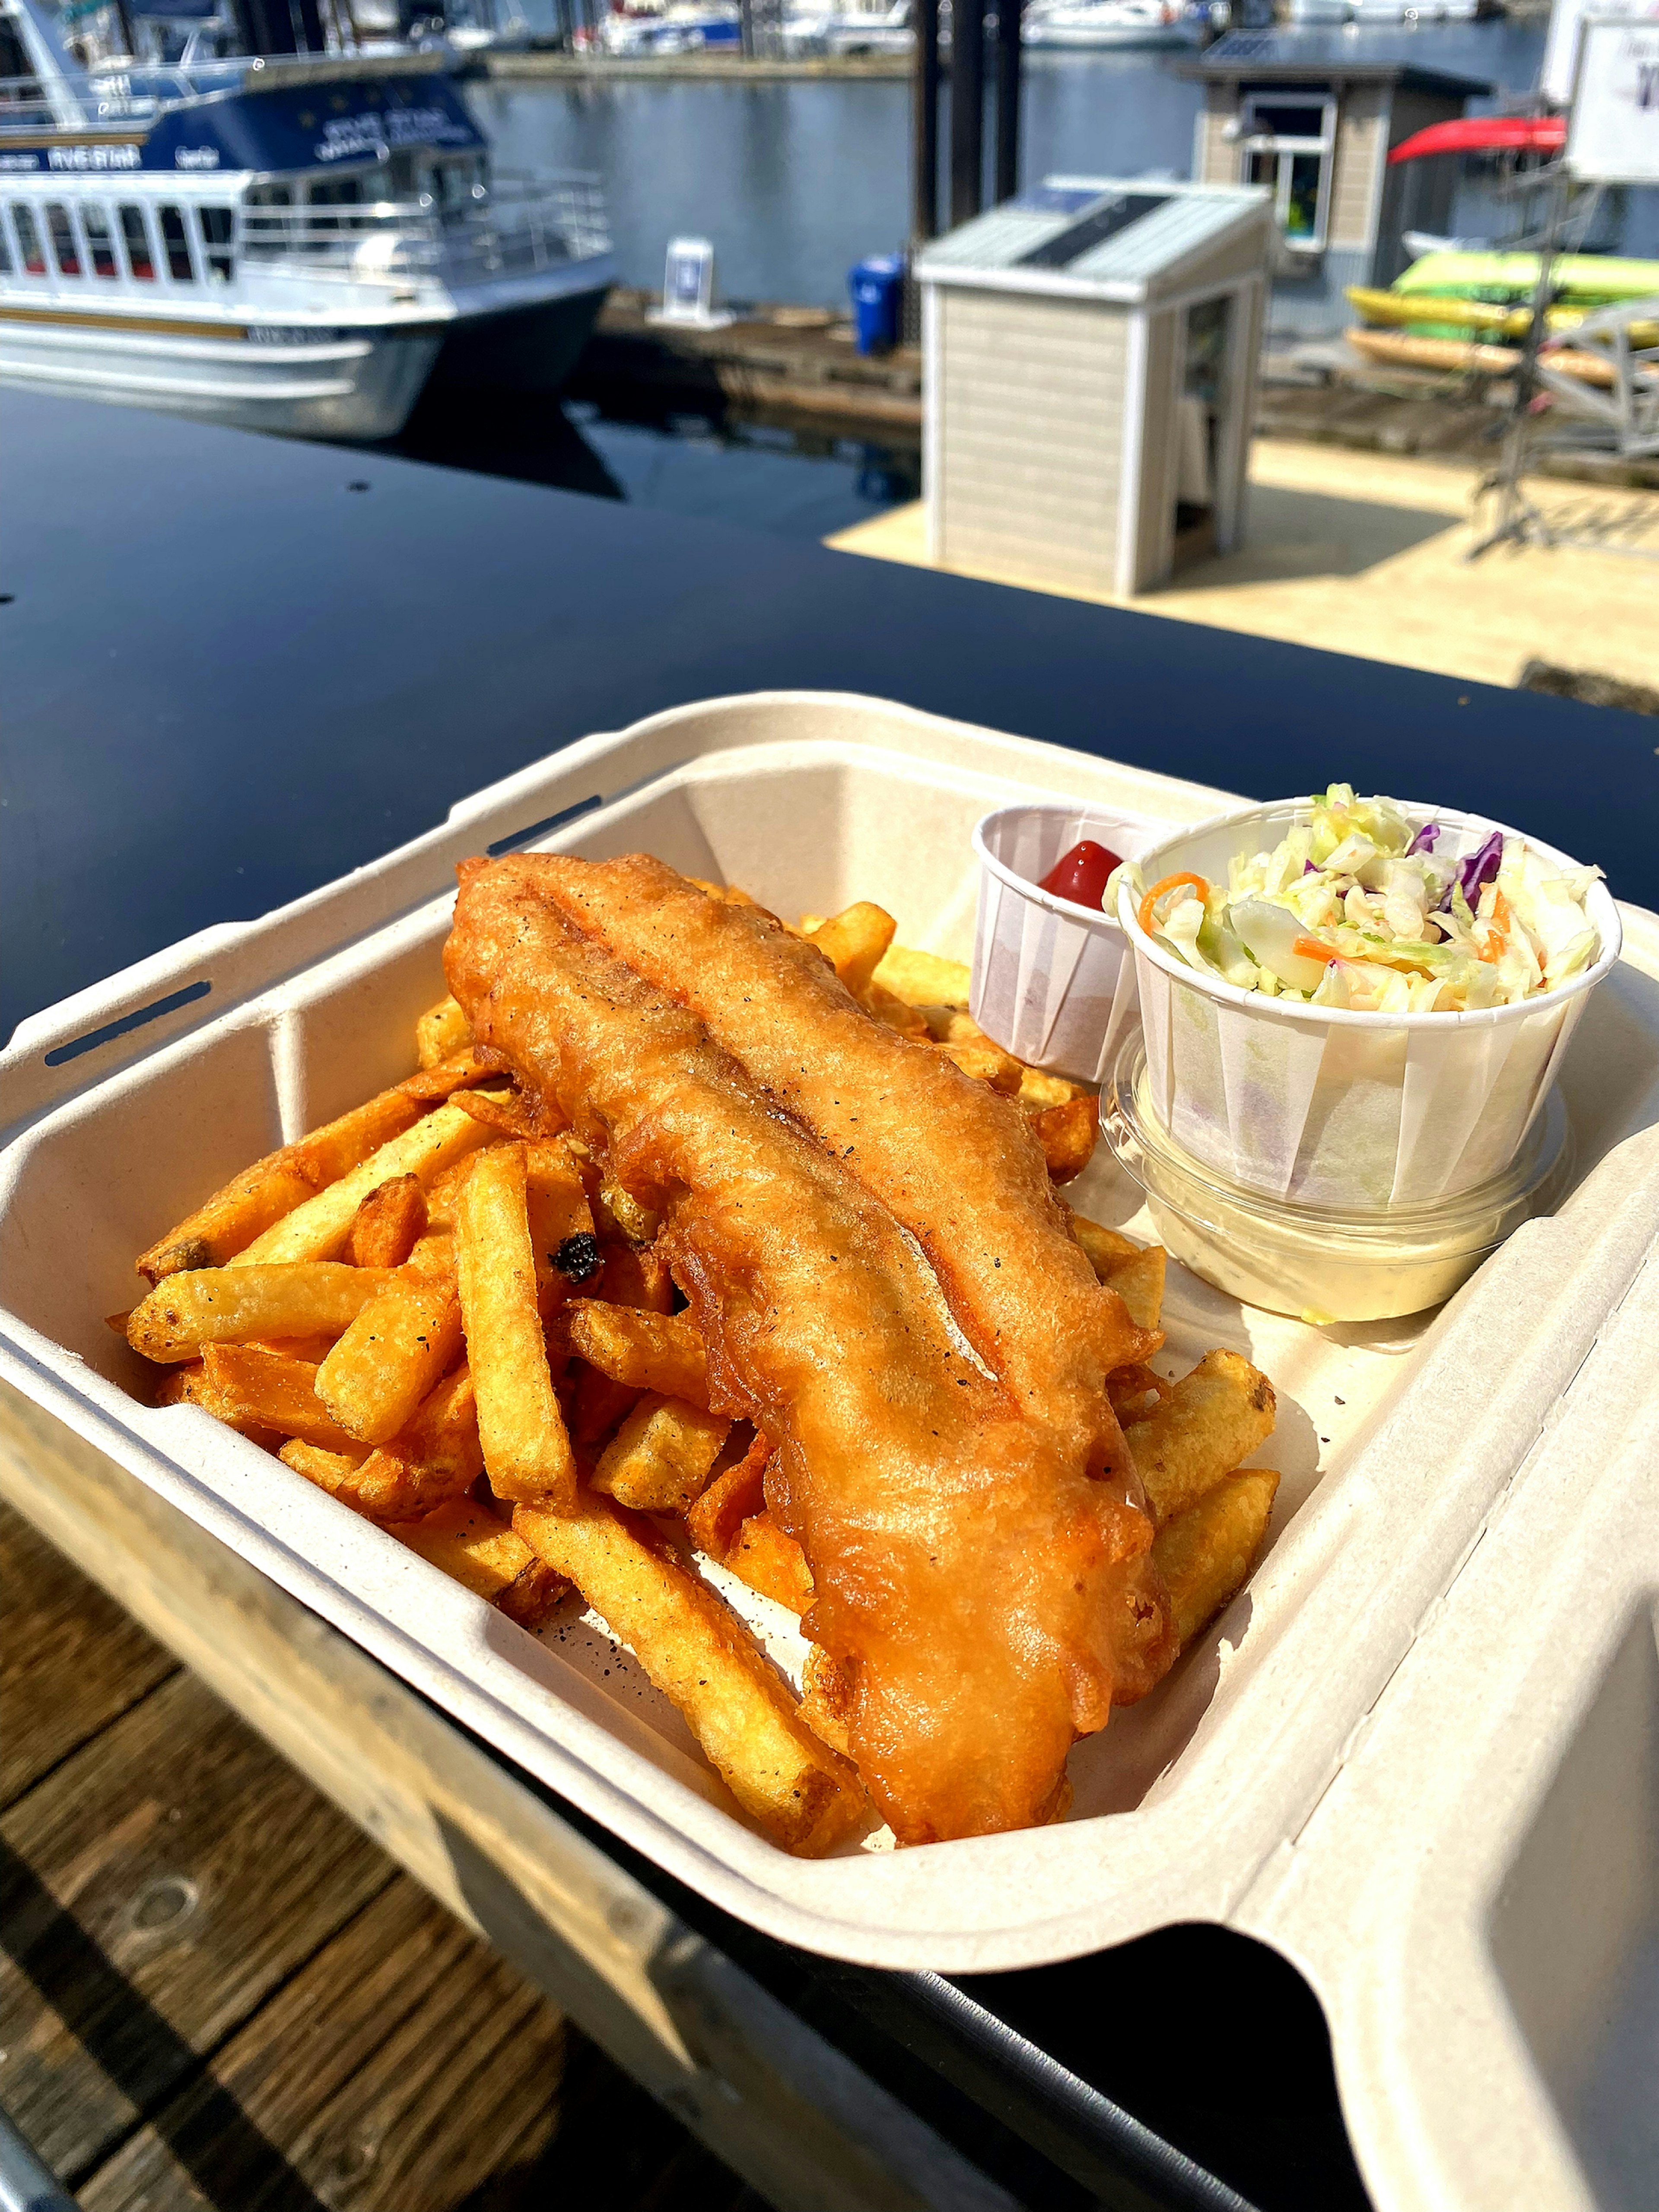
1454, 310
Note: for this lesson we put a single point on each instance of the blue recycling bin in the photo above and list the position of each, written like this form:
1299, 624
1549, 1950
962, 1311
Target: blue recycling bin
877, 287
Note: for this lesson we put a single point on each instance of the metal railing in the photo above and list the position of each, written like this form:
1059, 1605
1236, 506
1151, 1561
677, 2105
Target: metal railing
136, 94
522, 224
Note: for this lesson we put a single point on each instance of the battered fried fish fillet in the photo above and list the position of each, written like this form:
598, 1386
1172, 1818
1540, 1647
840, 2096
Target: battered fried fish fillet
954, 1162
973, 1582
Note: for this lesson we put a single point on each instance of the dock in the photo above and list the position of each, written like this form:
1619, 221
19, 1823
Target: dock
215, 1990
799, 360
724, 67
1363, 553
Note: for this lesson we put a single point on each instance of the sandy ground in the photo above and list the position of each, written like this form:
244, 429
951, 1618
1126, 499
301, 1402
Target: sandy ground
1364, 553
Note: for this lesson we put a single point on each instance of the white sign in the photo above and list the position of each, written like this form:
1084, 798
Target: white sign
1612, 138
1561, 48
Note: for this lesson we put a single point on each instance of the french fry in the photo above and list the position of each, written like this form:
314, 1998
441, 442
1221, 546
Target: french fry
1213, 1418
1105, 1248
1067, 1136
699, 1653
262, 1195
1139, 1283
771, 1562
646, 1350
432, 1086
318, 1230
388, 1224
434, 1254
922, 979
441, 1031
435, 1458
444, 1189
1038, 1089
1205, 1553
909, 1021
598, 1405
853, 941
392, 1356
660, 1458
526, 1447
567, 1254
327, 1469
275, 1392
243, 1305
477, 1549
188, 1385
736, 1493
987, 1063
826, 1704
1136, 1391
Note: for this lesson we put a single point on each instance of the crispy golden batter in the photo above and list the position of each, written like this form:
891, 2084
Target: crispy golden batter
980, 1588
955, 1163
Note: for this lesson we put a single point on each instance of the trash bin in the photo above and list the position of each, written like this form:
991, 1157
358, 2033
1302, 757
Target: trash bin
877, 288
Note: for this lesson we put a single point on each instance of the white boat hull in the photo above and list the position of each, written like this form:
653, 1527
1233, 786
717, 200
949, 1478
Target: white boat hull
1090, 38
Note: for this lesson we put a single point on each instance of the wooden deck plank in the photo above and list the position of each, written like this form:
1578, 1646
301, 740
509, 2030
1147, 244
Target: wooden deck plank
153, 1892
70, 1660
400, 2070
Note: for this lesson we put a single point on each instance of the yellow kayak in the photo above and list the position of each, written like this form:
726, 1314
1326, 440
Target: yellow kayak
1448, 317
1411, 351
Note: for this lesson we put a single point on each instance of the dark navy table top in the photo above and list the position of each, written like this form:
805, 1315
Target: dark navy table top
235, 668
229, 675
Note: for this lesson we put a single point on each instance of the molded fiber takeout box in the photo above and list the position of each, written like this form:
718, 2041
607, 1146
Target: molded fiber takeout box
1419, 1754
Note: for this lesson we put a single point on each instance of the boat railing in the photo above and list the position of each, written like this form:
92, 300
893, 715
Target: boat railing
522, 224
82, 100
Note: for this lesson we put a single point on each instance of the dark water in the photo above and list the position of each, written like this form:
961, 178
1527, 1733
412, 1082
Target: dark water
794, 182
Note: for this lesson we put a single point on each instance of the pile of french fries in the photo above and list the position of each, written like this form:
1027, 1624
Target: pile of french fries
468, 1336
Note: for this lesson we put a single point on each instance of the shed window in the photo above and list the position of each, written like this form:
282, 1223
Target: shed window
141, 259
216, 224
99, 244
64, 248
28, 239
1289, 139
176, 240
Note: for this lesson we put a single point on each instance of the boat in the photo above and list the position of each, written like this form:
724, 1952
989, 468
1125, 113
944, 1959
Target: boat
295, 243
1306, 14
678, 29
1435, 315
1097, 25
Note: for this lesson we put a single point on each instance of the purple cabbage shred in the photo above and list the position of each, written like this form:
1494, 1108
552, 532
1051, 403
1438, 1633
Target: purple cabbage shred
1426, 839
1473, 870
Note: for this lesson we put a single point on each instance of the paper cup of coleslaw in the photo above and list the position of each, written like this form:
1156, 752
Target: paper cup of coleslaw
1330, 1105
1046, 970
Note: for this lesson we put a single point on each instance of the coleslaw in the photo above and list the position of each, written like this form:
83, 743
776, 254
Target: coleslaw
1357, 908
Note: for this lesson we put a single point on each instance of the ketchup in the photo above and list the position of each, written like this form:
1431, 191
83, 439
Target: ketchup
1081, 875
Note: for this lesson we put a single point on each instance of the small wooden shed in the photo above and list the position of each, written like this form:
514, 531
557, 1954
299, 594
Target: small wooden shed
1311, 116
1090, 364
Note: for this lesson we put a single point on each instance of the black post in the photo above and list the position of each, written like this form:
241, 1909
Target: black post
746, 28
967, 109
1007, 147
924, 124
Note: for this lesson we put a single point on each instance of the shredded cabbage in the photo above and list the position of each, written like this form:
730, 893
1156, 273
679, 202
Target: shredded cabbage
1357, 908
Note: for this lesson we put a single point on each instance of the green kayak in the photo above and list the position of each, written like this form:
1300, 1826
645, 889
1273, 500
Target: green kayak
1581, 280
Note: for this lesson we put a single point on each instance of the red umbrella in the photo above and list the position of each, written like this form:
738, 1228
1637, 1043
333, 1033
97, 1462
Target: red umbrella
1485, 134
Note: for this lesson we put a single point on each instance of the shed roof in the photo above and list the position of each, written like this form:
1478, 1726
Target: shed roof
1359, 56
1117, 237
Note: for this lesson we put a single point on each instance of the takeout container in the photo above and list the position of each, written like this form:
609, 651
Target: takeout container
1328, 1107
1415, 1755
1045, 969
1323, 1263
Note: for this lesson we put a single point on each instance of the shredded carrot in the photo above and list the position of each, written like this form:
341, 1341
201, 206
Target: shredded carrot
1500, 910
1145, 916
1309, 948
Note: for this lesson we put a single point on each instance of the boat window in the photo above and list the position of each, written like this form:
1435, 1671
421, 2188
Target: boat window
216, 223
28, 239
99, 243
1288, 142
176, 240
141, 259
65, 251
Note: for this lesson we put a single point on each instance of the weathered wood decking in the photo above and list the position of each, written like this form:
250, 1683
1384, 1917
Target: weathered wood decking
215, 1991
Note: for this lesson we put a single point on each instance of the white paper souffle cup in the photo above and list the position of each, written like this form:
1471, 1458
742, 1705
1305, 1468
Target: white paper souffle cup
1328, 1106
1046, 969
